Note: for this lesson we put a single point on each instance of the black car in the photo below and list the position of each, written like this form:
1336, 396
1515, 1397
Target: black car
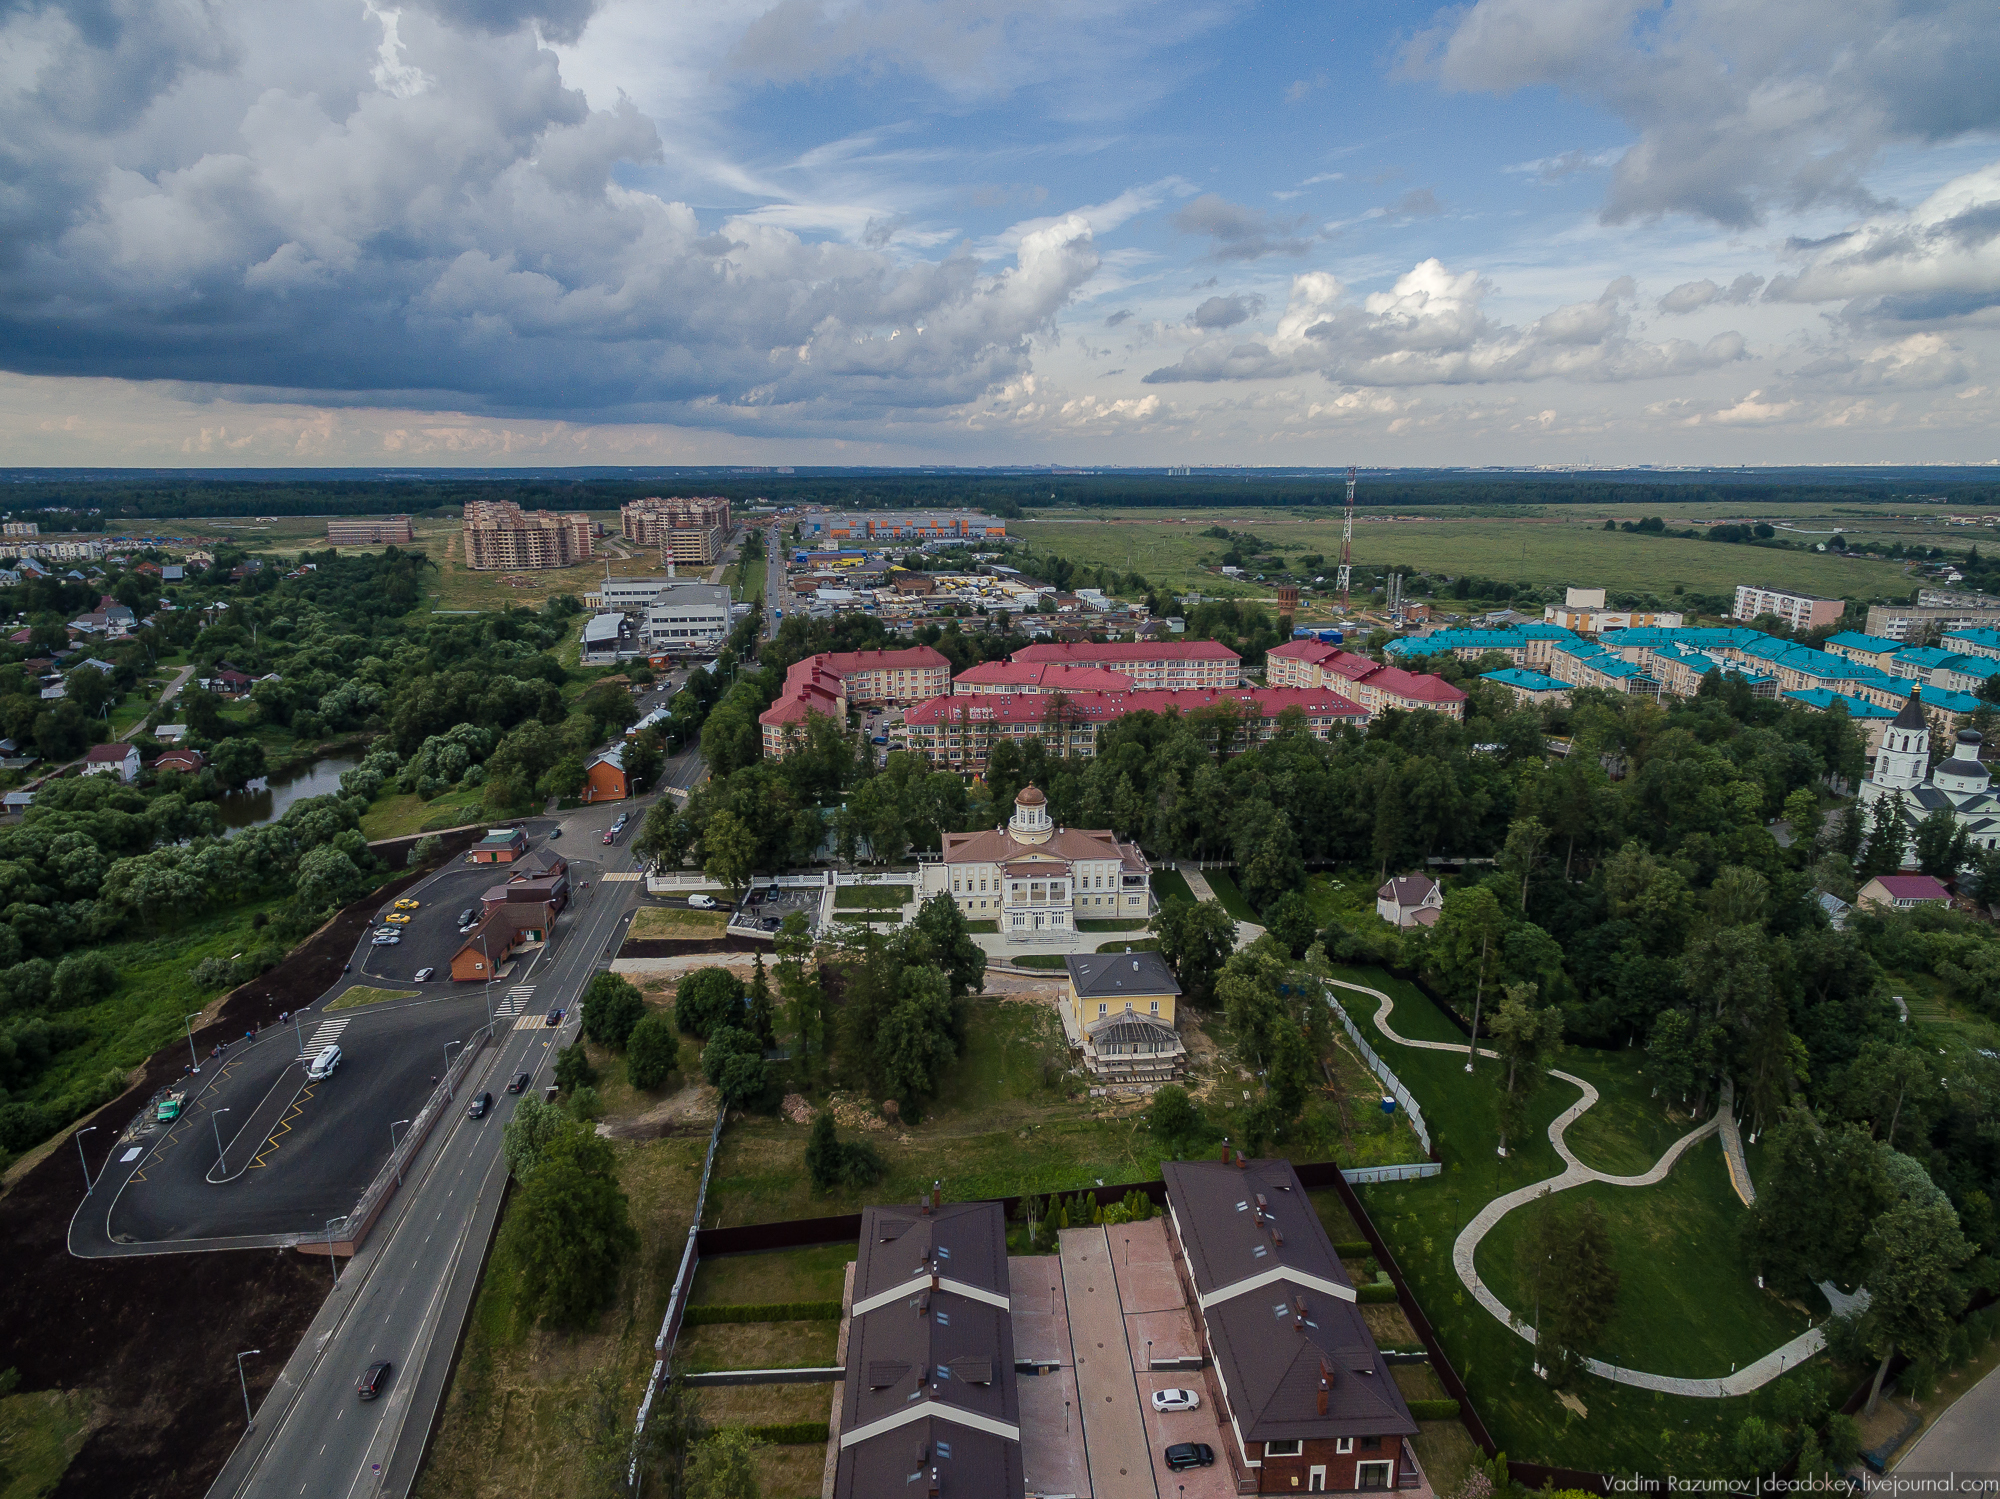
520, 1083
370, 1384
480, 1105
467, 916
554, 1017
1184, 1455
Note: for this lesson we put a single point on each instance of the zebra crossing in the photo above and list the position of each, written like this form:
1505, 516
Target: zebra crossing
325, 1034
518, 1000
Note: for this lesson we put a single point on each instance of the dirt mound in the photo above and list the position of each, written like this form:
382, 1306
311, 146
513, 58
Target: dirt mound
155, 1337
689, 1111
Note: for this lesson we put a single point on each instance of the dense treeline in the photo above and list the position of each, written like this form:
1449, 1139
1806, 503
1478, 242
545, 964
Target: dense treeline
122, 499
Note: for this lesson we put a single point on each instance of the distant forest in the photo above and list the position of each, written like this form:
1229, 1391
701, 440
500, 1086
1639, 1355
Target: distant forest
121, 501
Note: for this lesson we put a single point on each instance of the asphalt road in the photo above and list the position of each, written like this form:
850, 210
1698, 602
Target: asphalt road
1964, 1440
405, 1296
262, 1154
778, 597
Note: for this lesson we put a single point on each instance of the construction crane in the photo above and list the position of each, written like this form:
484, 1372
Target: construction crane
1346, 545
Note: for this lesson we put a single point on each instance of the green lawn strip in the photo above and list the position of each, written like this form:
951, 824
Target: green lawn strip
1224, 886
1134, 924
1627, 1131
1168, 883
1037, 960
872, 897
757, 1345
366, 994
983, 926
397, 814
677, 922
811, 1274
1687, 1304
1420, 1220
1132, 944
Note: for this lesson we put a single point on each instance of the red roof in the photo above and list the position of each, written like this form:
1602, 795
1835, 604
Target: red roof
1050, 677
1912, 887
1316, 702
1410, 684
1082, 654
108, 754
914, 657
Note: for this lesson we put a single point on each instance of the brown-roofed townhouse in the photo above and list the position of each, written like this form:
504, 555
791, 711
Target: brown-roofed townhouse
929, 1407
506, 927
1306, 1394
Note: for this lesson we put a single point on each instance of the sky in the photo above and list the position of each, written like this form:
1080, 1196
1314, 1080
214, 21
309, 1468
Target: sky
482, 232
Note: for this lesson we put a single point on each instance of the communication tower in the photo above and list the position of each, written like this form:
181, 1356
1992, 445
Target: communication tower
1346, 544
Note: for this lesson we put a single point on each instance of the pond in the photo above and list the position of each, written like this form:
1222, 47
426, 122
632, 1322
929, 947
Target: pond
265, 799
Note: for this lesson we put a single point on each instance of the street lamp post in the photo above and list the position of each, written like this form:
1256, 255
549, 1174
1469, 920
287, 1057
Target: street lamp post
194, 1062
392, 1149
249, 1423
216, 1120
447, 1066
87, 1184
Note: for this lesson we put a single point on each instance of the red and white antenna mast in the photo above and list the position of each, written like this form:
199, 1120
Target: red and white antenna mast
1346, 544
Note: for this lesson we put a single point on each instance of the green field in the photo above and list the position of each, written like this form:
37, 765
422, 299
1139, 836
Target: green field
1687, 1305
1571, 550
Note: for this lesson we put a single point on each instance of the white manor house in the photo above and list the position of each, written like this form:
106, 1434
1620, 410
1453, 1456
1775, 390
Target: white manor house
1036, 879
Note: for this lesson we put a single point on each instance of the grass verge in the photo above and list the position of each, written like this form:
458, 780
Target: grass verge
1169, 883
1224, 886
872, 897
367, 994
677, 923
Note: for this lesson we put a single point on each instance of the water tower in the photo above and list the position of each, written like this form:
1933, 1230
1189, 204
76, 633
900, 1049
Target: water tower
1288, 598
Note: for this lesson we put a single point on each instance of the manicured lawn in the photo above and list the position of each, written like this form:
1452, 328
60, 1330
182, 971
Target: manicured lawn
1001, 1125
365, 994
675, 923
397, 814
983, 926
1121, 925
1169, 883
1131, 944
758, 1345
872, 897
1039, 960
1421, 1219
1224, 886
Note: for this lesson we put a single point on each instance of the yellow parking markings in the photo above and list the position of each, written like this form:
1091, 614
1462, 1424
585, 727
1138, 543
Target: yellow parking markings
284, 1125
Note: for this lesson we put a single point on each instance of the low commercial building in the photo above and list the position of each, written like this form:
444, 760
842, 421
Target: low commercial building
498, 535
959, 732
551, 891
1802, 611
1152, 665
1118, 1011
694, 618
604, 777
504, 930
1308, 1399
906, 525
370, 531
499, 846
929, 1406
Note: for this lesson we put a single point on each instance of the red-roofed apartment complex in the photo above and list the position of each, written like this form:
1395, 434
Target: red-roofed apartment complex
826, 683
1309, 663
1025, 677
958, 732
1150, 664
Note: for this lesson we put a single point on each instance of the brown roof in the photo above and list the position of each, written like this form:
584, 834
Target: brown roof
1070, 844
1275, 1342
1408, 889
1031, 796
108, 754
937, 1352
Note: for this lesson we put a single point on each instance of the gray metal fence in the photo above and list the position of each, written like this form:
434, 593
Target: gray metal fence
1383, 1071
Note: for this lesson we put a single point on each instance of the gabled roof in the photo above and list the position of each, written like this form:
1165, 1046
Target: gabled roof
1911, 887
1408, 890
1116, 651
109, 754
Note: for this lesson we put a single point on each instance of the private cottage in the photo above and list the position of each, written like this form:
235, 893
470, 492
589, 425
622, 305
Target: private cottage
1410, 900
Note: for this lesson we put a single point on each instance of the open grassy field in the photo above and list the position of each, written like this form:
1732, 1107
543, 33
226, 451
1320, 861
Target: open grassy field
998, 1127
1689, 1306
1571, 550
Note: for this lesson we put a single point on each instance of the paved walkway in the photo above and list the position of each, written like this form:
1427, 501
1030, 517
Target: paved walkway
1732, 1145
1247, 932
1575, 1174
1114, 1433
1965, 1439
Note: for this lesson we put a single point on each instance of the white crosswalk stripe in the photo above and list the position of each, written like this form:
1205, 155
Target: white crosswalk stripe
517, 1001
323, 1035
625, 876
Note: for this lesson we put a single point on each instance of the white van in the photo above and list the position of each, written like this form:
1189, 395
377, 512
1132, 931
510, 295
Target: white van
323, 1064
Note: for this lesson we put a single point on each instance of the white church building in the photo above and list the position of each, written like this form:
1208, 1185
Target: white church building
1961, 784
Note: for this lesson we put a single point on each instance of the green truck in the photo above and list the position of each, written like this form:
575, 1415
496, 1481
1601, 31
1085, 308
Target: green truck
170, 1107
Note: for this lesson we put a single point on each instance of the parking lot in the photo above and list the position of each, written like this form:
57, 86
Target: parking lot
763, 911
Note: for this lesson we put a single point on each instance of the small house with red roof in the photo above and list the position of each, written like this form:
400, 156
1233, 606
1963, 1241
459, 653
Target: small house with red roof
1902, 892
119, 759
187, 761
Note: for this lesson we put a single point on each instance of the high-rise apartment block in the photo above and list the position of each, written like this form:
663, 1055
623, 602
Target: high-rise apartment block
499, 534
686, 528
369, 531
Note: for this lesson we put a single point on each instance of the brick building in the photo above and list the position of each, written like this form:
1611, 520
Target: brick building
1308, 1398
1150, 664
369, 531
498, 534
1377, 688
825, 684
689, 529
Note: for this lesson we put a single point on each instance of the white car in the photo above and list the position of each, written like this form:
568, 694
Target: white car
389, 941
701, 902
1175, 1400
424, 975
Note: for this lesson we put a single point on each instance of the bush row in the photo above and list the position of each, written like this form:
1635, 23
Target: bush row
1434, 1410
797, 1432
1354, 1249
772, 1311
1375, 1290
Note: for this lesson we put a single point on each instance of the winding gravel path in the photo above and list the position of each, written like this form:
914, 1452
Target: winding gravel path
1575, 1174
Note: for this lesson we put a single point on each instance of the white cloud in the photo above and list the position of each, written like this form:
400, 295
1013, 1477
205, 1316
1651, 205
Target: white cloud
1431, 328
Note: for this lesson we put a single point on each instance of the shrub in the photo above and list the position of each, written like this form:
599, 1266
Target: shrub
832, 1162
651, 1051
84, 977
1354, 1249
573, 1069
1375, 1290
1434, 1410
213, 973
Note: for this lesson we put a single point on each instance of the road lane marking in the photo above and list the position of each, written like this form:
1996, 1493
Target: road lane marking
324, 1035
284, 1125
